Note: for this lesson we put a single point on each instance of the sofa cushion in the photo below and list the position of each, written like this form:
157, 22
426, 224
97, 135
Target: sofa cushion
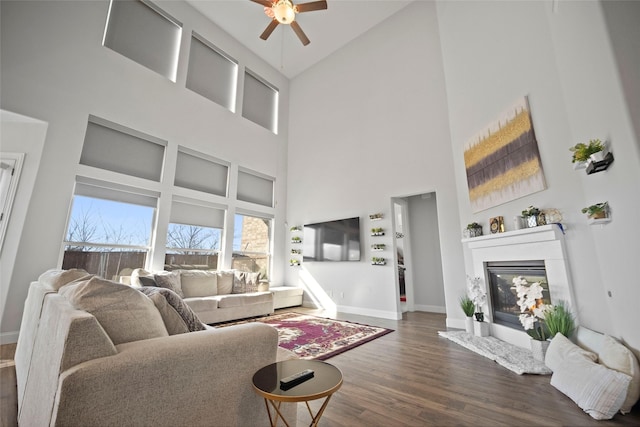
54, 279
141, 277
186, 313
615, 355
596, 389
239, 300
561, 348
239, 282
169, 280
198, 283
124, 313
172, 320
225, 282
202, 304
251, 282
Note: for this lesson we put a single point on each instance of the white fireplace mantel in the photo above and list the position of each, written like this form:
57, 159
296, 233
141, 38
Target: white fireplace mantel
545, 243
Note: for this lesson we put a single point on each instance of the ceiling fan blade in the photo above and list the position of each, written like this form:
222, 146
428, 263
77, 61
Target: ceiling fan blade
301, 35
267, 32
311, 6
265, 3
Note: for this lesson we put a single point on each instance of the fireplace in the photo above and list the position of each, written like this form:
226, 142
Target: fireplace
545, 246
502, 293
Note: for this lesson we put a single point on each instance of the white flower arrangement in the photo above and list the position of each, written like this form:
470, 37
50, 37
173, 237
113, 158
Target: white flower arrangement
478, 294
532, 307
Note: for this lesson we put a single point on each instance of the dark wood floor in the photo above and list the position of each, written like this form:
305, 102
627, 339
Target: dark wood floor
412, 377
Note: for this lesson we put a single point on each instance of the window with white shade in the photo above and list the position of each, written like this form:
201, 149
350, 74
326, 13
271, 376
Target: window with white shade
144, 33
199, 172
194, 235
260, 102
212, 73
252, 244
109, 229
255, 188
119, 149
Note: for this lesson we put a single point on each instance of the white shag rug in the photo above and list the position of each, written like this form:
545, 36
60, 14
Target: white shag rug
512, 357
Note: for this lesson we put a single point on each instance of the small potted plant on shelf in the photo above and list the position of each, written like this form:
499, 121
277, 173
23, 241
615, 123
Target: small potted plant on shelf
582, 153
532, 217
294, 262
597, 211
474, 229
468, 307
377, 231
296, 239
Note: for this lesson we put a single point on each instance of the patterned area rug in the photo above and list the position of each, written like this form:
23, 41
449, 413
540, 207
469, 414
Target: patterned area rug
312, 337
512, 357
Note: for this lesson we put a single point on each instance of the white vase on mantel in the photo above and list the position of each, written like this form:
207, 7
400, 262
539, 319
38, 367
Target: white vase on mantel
468, 324
480, 329
539, 349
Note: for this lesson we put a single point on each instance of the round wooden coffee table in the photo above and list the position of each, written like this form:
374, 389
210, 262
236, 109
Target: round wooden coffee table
326, 380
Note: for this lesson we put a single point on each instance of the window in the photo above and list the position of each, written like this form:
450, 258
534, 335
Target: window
212, 73
198, 172
194, 236
260, 102
142, 32
109, 229
113, 147
255, 188
251, 244
10, 167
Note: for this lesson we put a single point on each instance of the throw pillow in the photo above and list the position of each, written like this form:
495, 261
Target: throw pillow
615, 355
172, 320
54, 279
225, 282
169, 280
561, 348
198, 283
596, 389
252, 281
124, 313
186, 313
141, 277
239, 282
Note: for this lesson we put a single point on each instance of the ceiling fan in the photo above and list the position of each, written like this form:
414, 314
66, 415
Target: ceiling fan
284, 12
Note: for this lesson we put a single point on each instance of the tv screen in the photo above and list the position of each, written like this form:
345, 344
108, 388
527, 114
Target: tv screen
332, 241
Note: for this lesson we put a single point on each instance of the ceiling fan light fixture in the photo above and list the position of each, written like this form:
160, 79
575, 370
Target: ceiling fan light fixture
284, 11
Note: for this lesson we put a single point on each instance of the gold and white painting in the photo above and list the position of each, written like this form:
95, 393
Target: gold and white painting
502, 161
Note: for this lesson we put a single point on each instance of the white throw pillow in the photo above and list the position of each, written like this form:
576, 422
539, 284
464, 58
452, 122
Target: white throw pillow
596, 389
561, 348
123, 312
616, 356
198, 283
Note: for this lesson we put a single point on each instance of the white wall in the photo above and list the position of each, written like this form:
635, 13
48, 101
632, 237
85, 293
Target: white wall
54, 68
367, 124
495, 52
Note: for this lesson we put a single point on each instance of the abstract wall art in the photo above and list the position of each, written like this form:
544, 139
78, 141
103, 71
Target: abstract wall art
502, 161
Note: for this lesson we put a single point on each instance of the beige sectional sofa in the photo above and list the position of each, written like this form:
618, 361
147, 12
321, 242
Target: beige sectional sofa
92, 352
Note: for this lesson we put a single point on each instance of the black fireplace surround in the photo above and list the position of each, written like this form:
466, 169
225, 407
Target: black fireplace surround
502, 292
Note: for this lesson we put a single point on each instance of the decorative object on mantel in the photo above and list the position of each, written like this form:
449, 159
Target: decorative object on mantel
597, 213
376, 216
468, 307
378, 261
502, 161
552, 216
533, 217
496, 224
478, 295
473, 230
377, 231
533, 308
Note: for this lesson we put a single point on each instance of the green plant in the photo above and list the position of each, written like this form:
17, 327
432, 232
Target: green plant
531, 211
467, 306
582, 151
599, 209
473, 225
559, 319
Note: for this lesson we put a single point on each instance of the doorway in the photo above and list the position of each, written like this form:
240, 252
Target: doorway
402, 252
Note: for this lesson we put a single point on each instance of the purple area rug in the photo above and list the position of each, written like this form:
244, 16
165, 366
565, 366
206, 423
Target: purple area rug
312, 337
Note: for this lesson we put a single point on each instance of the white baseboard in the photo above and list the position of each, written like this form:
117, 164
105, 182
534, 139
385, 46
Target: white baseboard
8, 337
430, 308
368, 312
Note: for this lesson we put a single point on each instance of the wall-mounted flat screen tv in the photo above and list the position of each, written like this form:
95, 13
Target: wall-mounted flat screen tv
332, 240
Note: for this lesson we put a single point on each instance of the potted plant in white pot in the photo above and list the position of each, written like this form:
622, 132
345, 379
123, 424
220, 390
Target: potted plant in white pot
583, 153
468, 307
597, 211
533, 309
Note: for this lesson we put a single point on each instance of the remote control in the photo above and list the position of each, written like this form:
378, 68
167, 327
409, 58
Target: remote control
296, 379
